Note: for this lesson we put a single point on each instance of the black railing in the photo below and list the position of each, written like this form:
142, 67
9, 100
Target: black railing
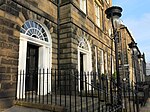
76, 92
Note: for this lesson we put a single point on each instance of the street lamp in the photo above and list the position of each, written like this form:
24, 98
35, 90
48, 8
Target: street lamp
133, 47
141, 59
114, 13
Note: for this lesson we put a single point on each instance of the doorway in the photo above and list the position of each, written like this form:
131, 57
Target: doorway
84, 63
34, 48
81, 71
32, 68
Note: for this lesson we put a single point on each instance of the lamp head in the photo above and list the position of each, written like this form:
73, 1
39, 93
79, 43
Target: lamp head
114, 13
133, 46
141, 57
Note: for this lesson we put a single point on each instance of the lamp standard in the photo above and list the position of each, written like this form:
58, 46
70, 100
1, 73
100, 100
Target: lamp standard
114, 13
133, 47
140, 56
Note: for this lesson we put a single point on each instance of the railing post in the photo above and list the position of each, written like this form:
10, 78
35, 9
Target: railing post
23, 84
60, 79
70, 88
39, 85
75, 79
92, 93
47, 84
111, 92
16, 86
20, 85
36, 86
136, 95
43, 85
133, 97
86, 93
98, 89
55, 89
124, 96
32, 86
107, 97
88, 75
81, 79
51, 86
65, 86
28, 92
129, 95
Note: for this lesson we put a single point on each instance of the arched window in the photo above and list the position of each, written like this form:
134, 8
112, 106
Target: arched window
83, 44
34, 29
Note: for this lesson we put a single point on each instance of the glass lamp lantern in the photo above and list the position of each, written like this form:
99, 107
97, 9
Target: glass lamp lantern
133, 46
113, 14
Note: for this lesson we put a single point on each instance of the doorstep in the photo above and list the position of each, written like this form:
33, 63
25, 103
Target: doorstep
48, 107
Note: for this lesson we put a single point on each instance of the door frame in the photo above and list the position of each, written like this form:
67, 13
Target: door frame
45, 53
87, 62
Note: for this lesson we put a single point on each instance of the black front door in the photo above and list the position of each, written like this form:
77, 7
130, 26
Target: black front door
31, 68
81, 71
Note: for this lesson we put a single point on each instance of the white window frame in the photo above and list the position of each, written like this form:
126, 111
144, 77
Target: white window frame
102, 61
112, 60
83, 5
97, 14
86, 50
108, 1
96, 59
106, 62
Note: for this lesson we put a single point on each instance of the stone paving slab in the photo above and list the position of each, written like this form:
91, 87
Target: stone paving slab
23, 109
146, 108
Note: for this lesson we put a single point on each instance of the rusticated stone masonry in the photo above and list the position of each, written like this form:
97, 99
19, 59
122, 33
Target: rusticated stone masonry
13, 14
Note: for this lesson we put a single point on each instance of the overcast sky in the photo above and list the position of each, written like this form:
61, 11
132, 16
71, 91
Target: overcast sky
136, 16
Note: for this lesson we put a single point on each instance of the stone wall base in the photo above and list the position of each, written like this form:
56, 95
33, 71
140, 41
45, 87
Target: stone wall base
6, 103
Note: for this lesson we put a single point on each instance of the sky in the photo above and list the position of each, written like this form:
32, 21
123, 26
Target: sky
136, 16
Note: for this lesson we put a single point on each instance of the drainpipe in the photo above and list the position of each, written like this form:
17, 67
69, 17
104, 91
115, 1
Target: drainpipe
58, 37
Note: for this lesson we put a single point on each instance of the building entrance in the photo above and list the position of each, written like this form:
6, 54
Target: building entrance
32, 68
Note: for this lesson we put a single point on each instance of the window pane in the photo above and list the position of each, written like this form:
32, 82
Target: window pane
83, 5
97, 14
101, 61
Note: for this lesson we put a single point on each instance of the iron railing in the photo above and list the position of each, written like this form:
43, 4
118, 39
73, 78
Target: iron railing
76, 92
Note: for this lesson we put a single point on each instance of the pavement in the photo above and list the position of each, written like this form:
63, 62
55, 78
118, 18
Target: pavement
146, 108
23, 109
15, 108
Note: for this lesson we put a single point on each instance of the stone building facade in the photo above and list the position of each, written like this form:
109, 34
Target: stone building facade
18, 19
66, 34
148, 68
132, 64
83, 34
